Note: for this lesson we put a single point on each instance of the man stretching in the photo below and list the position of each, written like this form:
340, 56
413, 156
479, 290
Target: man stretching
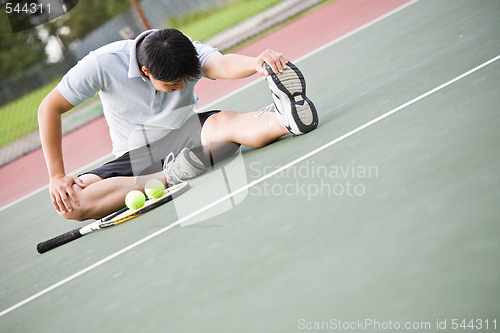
146, 87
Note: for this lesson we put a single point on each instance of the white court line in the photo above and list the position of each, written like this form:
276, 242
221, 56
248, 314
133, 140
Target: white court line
246, 187
180, 221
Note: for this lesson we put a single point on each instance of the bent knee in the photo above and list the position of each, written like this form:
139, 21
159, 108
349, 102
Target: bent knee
216, 127
77, 211
76, 214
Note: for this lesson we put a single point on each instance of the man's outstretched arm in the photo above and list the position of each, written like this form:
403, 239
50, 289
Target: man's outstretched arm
235, 66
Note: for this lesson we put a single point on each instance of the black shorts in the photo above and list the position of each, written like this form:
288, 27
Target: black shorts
150, 158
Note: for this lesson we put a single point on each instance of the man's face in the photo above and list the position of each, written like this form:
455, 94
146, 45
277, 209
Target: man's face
167, 87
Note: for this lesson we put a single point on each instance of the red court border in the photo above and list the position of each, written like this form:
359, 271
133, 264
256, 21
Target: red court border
29, 173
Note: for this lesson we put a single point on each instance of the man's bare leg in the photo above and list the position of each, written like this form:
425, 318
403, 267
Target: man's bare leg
101, 197
246, 129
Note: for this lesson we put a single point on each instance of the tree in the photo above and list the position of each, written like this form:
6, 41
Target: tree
23, 49
84, 18
19, 50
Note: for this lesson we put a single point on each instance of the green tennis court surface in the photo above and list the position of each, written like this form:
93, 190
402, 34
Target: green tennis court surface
395, 222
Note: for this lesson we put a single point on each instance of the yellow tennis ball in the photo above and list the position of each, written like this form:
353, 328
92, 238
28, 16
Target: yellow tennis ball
135, 199
154, 188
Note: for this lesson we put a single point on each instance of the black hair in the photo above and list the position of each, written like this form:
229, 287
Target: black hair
168, 55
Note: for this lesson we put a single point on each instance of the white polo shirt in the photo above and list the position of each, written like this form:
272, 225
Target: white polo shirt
135, 111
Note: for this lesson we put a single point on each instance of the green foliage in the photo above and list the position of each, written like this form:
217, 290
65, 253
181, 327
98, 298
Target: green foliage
19, 51
23, 49
85, 18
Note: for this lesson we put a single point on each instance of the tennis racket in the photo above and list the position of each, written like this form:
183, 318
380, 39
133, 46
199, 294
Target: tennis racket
115, 218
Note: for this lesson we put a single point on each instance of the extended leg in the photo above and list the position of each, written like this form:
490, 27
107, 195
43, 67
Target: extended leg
245, 129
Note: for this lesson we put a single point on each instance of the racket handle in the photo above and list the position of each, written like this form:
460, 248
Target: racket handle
58, 241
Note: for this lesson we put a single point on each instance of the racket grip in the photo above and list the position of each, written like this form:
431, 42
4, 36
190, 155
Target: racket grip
58, 241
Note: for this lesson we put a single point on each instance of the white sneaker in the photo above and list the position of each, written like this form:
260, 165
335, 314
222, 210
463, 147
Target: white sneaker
294, 110
183, 167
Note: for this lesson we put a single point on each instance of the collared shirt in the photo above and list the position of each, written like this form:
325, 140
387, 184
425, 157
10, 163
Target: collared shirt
136, 113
